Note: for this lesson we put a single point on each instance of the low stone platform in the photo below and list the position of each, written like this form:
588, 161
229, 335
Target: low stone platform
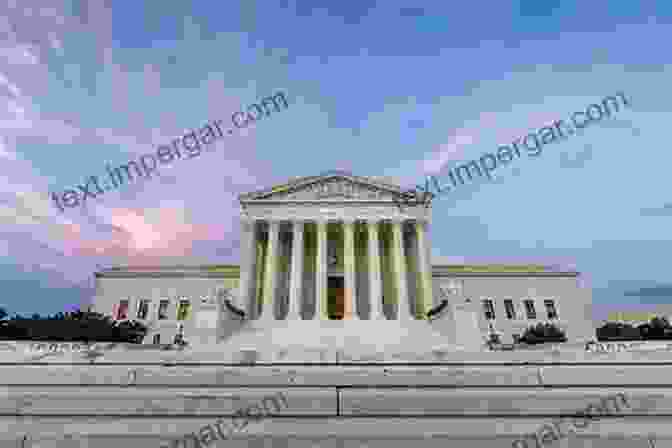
144, 397
299, 340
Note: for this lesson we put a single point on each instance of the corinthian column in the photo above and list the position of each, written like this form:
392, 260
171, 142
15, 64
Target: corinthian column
425, 298
321, 273
375, 283
271, 275
399, 271
296, 278
350, 278
248, 263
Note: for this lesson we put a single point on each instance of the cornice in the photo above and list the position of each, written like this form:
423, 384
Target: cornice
438, 271
177, 271
233, 271
156, 274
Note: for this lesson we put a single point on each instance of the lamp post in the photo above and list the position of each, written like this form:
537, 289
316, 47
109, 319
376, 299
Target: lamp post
179, 337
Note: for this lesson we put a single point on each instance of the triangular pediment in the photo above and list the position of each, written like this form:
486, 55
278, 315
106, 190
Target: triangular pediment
333, 186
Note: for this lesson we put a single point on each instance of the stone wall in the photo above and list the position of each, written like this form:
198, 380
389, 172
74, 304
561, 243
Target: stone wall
145, 397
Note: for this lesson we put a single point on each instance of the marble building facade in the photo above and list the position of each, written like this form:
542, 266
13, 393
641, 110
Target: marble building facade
337, 247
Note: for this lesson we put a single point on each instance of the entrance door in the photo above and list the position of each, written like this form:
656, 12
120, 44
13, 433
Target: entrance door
336, 297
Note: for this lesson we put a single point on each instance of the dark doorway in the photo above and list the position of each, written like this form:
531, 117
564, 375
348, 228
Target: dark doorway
335, 297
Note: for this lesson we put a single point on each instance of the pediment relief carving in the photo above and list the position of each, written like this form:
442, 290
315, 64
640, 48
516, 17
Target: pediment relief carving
333, 189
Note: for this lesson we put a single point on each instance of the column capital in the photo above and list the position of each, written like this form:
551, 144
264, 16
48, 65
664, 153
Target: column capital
422, 224
247, 224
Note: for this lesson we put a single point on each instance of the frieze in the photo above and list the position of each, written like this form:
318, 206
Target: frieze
317, 211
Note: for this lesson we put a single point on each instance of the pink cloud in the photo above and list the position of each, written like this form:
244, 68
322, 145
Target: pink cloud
141, 237
189, 211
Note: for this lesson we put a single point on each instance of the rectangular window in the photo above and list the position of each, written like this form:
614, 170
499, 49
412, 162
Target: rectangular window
183, 310
529, 308
157, 339
122, 311
143, 309
163, 309
550, 309
489, 309
510, 310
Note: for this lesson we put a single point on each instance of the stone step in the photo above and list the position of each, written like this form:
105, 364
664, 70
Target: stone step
352, 375
301, 401
280, 375
619, 375
502, 402
502, 430
54, 400
118, 441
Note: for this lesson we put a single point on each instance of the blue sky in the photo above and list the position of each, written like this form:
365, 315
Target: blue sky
395, 89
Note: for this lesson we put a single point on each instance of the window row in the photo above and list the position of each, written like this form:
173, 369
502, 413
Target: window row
510, 309
156, 339
121, 310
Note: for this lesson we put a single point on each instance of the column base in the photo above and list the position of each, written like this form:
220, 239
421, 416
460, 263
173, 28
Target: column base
266, 317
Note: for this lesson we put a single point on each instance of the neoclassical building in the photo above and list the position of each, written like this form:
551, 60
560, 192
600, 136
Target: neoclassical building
339, 251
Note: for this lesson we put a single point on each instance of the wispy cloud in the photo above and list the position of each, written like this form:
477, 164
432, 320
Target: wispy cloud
148, 223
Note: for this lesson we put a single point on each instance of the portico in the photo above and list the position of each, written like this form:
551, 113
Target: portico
334, 247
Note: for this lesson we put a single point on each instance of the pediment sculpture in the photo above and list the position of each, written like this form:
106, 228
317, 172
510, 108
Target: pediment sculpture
333, 189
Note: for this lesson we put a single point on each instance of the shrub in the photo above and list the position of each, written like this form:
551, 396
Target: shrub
616, 331
543, 332
131, 331
657, 328
79, 326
